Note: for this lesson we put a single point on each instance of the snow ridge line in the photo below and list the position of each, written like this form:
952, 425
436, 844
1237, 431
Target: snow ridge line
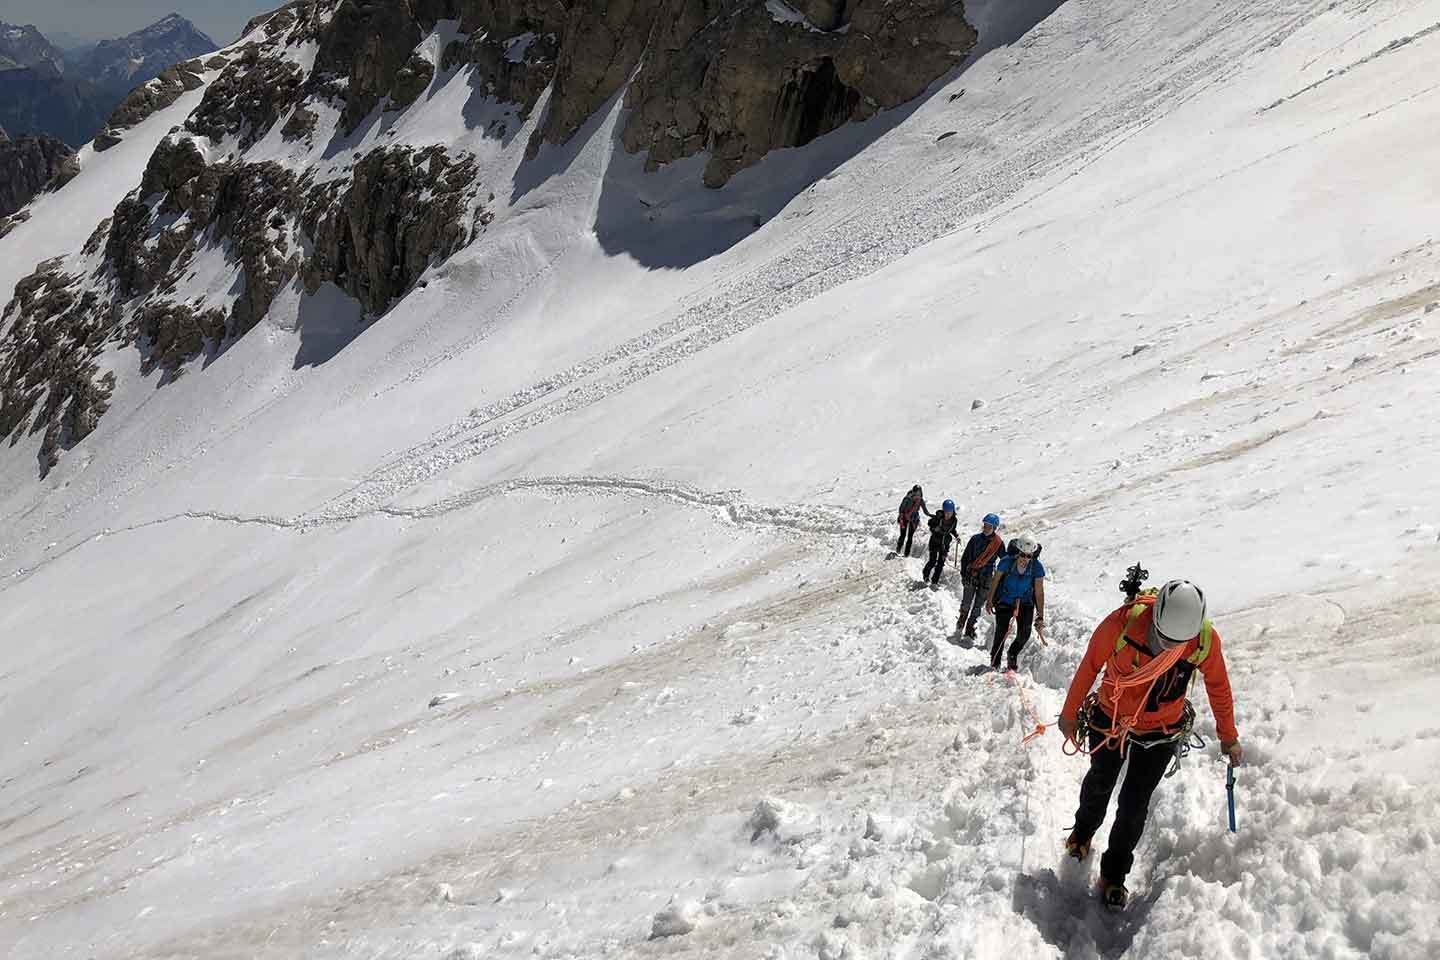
1389, 48
817, 521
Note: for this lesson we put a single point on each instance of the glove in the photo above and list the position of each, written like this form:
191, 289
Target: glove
1069, 726
1233, 750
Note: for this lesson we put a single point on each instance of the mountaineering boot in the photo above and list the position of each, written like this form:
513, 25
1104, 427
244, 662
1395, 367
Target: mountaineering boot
1012, 666
970, 632
1077, 848
1113, 895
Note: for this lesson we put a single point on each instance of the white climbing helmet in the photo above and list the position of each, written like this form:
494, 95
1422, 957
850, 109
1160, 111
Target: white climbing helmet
1025, 545
1179, 612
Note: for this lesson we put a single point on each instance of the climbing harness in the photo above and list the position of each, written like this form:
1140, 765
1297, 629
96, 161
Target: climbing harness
1183, 734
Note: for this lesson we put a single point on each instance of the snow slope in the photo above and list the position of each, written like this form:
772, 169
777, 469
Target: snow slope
551, 612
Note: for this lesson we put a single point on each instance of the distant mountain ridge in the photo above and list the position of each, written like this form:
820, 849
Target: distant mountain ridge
118, 66
27, 47
46, 91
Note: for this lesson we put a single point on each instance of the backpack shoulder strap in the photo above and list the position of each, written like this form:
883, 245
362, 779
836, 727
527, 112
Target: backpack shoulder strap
1137, 611
1207, 640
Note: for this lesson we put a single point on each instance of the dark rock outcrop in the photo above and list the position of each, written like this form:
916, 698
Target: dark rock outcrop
147, 99
248, 98
30, 164
732, 79
373, 235
49, 378
402, 209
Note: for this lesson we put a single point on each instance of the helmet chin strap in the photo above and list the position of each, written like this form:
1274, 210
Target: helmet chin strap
1158, 643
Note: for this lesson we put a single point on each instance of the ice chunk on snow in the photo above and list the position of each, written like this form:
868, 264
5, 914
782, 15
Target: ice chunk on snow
787, 822
676, 920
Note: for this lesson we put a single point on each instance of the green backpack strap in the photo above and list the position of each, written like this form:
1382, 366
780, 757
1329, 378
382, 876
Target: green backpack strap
1207, 640
1136, 612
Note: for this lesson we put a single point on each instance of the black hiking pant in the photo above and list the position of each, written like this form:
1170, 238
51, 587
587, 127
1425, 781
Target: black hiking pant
1024, 617
907, 536
939, 550
1147, 764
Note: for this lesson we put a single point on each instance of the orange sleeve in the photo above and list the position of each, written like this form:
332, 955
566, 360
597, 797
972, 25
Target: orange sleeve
1097, 654
1217, 688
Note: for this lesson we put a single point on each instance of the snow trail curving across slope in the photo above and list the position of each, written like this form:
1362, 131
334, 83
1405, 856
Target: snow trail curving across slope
549, 616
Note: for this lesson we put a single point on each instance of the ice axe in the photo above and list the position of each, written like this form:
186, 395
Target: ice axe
1230, 794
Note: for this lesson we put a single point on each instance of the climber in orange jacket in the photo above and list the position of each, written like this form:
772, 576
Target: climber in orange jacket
1149, 650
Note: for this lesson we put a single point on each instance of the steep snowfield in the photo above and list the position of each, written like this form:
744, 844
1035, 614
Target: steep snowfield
550, 612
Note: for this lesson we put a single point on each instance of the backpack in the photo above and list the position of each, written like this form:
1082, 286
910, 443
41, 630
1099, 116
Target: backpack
1011, 550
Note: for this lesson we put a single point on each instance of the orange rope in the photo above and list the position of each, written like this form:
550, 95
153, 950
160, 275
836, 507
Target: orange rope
1029, 709
1147, 676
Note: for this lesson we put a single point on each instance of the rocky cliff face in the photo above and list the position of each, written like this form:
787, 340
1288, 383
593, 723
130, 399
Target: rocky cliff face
27, 165
733, 79
739, 79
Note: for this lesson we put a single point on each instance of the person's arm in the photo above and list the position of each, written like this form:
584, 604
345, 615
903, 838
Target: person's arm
1222, 701
1097, 654
1039, 601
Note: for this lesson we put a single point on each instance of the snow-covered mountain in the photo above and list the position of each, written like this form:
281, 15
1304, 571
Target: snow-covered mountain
26, 46
117, 66
452, 448
46, 92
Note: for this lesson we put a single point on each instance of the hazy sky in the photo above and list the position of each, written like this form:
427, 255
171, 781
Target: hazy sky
99, 19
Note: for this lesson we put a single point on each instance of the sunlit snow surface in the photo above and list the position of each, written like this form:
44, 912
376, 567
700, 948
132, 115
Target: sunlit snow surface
613, 492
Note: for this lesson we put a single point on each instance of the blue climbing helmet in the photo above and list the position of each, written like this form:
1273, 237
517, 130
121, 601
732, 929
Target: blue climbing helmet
948, 506
991, 519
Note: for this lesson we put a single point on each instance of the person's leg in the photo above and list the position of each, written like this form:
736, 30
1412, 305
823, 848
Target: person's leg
1146, 770
1096, 788
930, 563
968, 596
940, 565
982, 589
1024, 619
1003, 614
900, 543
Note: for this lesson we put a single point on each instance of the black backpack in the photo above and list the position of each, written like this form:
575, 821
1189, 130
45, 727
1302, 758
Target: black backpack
1011, 550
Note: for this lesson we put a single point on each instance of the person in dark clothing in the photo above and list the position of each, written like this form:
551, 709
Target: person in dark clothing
942, 531
1016, 591
977, 564
910, 509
